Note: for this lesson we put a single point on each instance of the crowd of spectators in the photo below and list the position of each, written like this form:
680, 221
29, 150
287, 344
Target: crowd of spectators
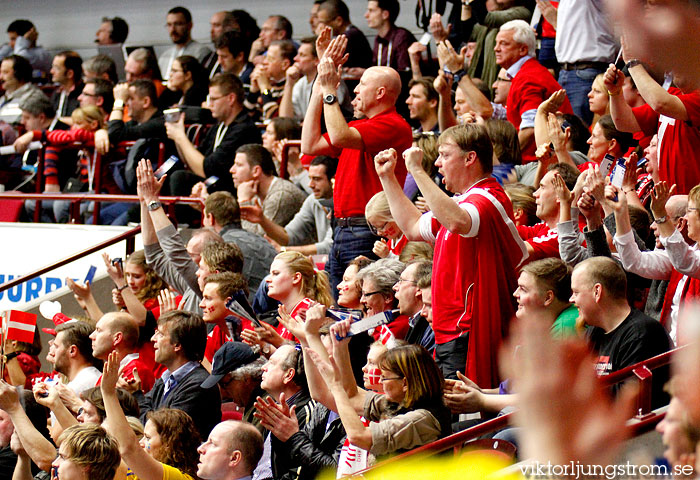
388, 238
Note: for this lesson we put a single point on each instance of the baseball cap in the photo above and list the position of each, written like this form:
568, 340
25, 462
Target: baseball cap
228, 358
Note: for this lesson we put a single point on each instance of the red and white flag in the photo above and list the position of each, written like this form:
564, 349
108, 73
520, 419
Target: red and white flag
19, 326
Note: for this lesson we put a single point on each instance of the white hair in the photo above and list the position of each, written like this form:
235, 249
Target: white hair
523, 35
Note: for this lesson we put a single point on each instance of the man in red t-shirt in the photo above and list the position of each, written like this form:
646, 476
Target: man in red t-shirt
673, 115
117, 331
355, 144
531, 83
477, 248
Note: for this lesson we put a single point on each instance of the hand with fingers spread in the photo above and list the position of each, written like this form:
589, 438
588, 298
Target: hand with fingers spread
336, 51
295, 326
166, 301
437, 30
267, 333
278, 418
80, 291
659, 196
130, 384
449, 58
114, 270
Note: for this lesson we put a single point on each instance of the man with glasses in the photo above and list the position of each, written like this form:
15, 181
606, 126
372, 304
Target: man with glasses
214, 157
410, 300
98, 92
179, 25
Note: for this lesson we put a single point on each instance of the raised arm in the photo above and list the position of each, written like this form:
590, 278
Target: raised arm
654, 94
446, 116
406, 214
140, 462
192, 157
41, 450
621, 113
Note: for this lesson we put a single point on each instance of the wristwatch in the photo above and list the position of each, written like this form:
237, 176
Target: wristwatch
459, 74
154, 205
661, 220
632, 63
118, 104
329, 99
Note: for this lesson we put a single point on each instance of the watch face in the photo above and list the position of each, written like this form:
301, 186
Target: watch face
329, 98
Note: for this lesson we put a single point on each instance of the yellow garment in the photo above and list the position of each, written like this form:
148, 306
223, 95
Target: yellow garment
169, 473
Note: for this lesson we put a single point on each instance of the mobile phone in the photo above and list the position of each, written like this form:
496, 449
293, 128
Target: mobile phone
172, 115
166, 166
211, 181
90, 275
606, 164
118, 261
618, 173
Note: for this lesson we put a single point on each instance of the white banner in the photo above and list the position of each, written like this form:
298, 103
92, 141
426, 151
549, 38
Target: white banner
26, 247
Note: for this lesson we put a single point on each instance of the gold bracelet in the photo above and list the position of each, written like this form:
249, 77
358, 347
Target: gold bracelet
611, 94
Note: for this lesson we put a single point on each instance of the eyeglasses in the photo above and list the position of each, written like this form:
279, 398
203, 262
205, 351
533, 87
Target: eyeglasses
691, 209
403, 280
369, 294
214, 99
384, 379
376, 230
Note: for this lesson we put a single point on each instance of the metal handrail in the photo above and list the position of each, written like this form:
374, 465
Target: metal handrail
128, 236
93, 197
641, 424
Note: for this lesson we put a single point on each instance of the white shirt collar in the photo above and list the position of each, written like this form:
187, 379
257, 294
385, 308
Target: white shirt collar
515, 68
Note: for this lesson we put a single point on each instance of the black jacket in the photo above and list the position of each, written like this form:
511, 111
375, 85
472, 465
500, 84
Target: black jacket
283, 467
315, 448
202, 404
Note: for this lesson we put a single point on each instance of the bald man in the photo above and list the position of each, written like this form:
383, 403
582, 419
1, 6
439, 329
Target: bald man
118, 331
355, 144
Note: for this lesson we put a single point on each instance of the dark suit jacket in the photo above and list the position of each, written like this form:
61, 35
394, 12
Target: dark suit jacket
202, 404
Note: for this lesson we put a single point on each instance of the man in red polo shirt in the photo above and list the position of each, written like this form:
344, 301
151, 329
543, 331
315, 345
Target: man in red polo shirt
477, 248
355, 144
531, 83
